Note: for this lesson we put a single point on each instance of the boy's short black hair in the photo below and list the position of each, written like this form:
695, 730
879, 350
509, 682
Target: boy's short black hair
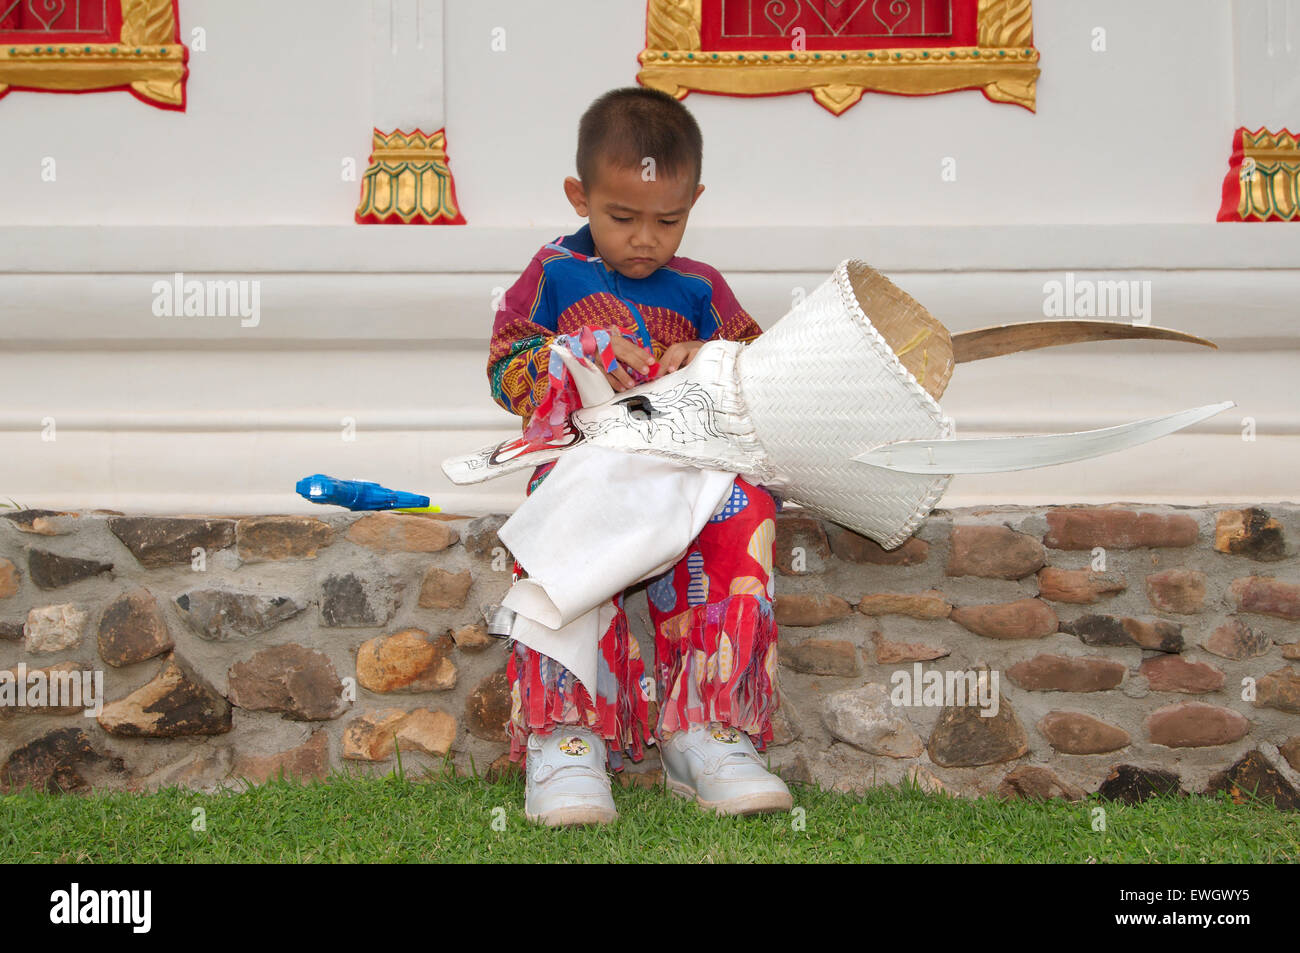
625, 126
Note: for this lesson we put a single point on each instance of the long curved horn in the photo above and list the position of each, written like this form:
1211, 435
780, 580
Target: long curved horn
999, 454
999, 339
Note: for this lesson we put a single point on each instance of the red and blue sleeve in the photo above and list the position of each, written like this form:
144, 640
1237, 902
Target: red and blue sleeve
518, 354
724, 319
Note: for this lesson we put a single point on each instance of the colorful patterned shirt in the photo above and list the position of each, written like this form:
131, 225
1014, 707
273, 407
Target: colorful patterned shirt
567, 287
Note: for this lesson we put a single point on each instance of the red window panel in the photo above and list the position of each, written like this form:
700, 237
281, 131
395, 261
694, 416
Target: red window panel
829, 25
37, 22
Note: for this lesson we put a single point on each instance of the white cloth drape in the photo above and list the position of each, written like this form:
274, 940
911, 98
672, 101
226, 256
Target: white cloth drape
601, 521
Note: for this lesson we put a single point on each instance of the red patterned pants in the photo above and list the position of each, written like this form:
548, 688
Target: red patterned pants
715, 646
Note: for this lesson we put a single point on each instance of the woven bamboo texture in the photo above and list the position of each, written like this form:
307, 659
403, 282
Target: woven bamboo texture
824, 384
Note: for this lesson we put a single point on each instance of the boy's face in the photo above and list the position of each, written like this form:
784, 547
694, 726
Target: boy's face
636, 224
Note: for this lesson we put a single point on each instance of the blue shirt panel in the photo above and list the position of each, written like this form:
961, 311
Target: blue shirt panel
572, 279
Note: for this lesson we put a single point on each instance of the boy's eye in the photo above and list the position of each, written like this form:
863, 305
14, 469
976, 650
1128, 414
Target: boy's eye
624, 219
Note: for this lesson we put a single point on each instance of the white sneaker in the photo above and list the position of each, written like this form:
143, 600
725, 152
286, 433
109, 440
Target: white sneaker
567, 782
718, 767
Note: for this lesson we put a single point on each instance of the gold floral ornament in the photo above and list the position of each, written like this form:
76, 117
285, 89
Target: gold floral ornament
76, 46
408, 182
1263, 181
839, 49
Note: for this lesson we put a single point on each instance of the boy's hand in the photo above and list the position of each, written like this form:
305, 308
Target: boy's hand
631, 355
679, 355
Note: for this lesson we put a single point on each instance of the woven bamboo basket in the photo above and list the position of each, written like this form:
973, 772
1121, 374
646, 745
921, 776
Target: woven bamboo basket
856, 364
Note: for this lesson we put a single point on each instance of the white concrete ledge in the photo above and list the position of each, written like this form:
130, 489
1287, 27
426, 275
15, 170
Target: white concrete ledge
388, 327
449, 249
386, 311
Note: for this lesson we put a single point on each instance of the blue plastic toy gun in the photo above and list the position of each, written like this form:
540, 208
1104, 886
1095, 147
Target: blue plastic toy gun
360, 495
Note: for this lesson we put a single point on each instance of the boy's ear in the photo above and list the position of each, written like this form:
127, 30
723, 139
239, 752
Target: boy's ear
577, 196
699, 190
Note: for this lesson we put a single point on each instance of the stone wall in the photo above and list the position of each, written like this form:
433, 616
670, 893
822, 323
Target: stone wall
1050, 651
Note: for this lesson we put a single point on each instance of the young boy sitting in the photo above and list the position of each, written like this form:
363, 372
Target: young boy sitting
615, 290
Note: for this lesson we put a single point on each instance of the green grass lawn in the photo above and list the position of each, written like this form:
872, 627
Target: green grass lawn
451, 819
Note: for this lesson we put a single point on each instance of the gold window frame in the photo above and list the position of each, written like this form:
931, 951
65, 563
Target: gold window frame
1003, 63
1269, 176
148, 59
